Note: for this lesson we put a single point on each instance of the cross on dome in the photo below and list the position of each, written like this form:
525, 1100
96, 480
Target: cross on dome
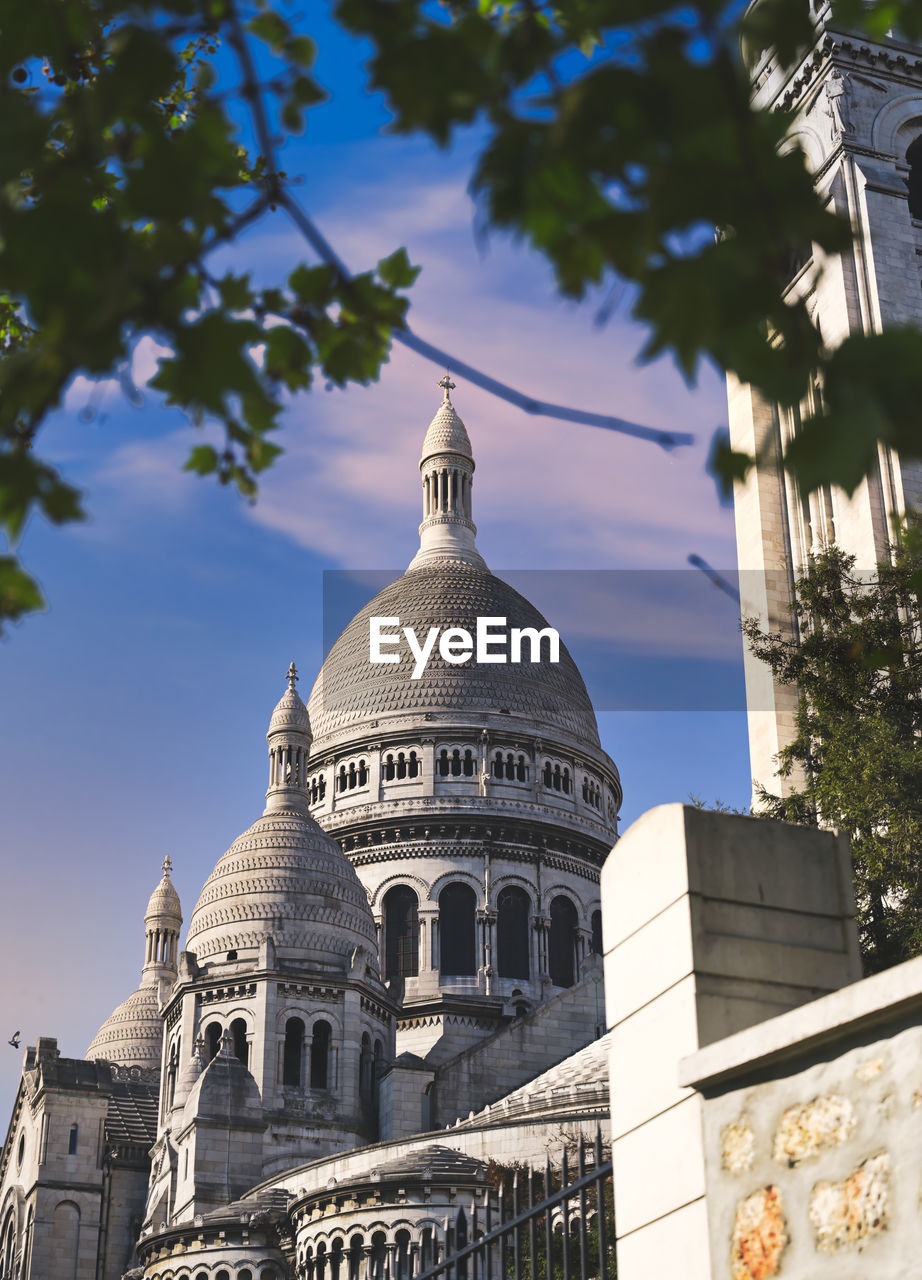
447, 385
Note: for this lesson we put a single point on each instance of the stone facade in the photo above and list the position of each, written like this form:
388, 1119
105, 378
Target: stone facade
857, 108
406, 936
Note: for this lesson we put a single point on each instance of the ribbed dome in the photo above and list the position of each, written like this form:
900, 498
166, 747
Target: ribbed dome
290, 713
164, 902
446, 434
284, 879
350, 690
133, 1034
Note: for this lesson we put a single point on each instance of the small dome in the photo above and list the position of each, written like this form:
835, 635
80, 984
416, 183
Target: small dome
283, 879
290, 713
446, 434
132, 1035
350, 692
164, 901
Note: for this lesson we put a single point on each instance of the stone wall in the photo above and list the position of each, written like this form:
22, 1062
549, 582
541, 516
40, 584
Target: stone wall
522, 1049
812, 1134
790, 1144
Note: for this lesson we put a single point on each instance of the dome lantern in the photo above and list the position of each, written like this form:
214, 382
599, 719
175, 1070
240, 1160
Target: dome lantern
162, 923
447, 531
289, 738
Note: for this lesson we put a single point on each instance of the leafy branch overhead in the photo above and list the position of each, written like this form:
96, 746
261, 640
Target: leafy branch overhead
137, 139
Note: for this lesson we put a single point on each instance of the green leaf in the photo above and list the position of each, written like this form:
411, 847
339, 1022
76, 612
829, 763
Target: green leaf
19, 593
397, 270
203, 460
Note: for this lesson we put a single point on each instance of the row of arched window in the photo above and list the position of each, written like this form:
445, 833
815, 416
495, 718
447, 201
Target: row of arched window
295, 1056
262, 1273
456, 762
353, 775
400, 765
347, 1259
592, 792
457, 934
556, 778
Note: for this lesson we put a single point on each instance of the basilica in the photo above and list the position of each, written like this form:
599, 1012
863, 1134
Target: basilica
391, 979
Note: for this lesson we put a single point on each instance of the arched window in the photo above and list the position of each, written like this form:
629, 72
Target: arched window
456, 763
595, 946
378, 1255
562, 942
352, 776
363, 773
321, 1271
365, 1069
521, 769
457, 950
498, 765
443, 764
566, 782
320, 1055
512, 934
427, 1253
470, 764
8, 1245
336, 1258
213, 1039
65, 1232
355, 1257
413, 765
914, 159
401, 933
343, 781
172, 1071
293, 1053
402, 1241
72, 1140
238, 1030
548, 774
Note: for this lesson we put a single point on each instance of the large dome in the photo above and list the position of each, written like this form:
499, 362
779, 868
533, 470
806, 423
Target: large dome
351, 690
132, 1035
284, 879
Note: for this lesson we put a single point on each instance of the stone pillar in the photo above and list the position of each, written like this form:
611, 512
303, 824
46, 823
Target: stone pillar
712, 923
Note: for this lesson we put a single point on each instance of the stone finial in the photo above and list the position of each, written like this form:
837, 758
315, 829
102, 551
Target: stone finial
447, 386
226, 1049
292, 676
167, 866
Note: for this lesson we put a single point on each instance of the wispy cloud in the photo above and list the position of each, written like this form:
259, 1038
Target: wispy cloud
546, 493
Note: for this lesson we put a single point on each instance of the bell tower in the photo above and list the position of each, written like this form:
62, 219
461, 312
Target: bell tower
857, 116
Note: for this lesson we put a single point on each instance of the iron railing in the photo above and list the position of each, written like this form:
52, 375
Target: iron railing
542, 1234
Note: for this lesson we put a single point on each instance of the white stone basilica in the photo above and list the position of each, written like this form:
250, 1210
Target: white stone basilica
392, 977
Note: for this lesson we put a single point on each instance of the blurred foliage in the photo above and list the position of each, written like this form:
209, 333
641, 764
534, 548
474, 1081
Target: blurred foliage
616, 135
855, 762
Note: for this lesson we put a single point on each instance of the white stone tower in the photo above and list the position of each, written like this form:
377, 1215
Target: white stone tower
132, 1035
857, 109
278, 1015
474, 800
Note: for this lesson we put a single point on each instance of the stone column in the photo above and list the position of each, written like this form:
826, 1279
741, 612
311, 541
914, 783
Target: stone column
712, 923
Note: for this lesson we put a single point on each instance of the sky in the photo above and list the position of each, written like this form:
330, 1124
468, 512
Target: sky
133, 712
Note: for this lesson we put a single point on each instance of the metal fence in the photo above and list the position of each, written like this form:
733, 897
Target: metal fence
542, 1233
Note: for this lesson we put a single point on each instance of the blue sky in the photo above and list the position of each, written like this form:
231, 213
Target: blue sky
134, 711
